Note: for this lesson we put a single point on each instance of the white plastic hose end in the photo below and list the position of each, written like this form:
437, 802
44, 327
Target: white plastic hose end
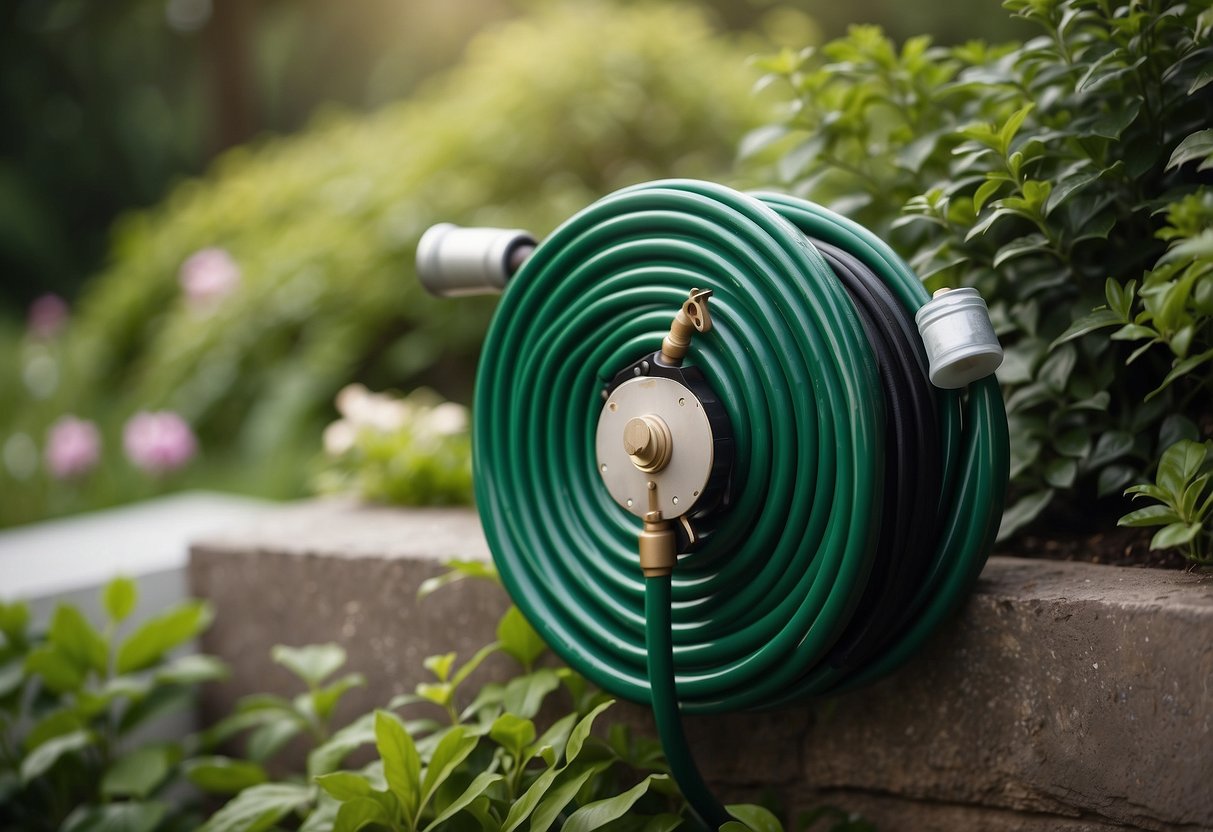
454, 261
959, 338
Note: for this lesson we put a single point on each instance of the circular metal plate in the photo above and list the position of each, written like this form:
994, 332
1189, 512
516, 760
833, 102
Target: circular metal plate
682, 481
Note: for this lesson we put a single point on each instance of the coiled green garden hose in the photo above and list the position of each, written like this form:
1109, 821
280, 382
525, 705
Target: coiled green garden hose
753, 616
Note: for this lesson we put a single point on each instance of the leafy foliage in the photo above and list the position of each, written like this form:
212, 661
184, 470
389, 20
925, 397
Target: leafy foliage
545, 116
504, 756
475, 760
1183, 502
1053, 175
72, 701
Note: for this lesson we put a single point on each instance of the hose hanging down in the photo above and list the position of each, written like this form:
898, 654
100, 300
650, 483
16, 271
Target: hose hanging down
861, 503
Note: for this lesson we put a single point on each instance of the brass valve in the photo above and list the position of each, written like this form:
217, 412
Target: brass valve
691, 318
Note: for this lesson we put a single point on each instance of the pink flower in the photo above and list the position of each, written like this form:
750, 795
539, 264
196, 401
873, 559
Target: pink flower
208, 275
158, 442
73, 447
47, 316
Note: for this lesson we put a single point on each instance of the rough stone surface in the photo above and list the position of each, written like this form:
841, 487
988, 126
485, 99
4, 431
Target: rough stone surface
1065, 696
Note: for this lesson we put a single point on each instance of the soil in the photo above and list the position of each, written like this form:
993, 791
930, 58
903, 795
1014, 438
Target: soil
1115, 547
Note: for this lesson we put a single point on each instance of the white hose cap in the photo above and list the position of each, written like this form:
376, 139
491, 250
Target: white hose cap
959, 338
452, 260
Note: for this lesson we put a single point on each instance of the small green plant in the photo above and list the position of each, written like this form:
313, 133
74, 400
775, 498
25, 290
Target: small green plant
1052, 175
465, 758
502, 757
1183, 502
72, 702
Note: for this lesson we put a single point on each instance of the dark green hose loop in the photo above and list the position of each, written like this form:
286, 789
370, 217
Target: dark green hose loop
757, 608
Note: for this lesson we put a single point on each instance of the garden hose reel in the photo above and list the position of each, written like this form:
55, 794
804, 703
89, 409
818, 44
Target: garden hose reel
733, 390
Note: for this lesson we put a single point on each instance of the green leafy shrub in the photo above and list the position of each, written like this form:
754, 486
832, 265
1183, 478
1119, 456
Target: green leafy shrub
1054, 176
508, 755
72, 700
410, 451
545, 116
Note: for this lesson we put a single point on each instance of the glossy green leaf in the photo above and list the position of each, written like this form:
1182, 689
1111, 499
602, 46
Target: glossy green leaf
162, 633
14, 621
512, 733
1019, 247
1176, 534
524, 695
224, 775
440, 666
57, 671
359, 813
522, 808
12, 675
1179, 463
77, 640
1073, 443
1023, 511
401, 764
452, 750
663, 823
325, 699
1113, 478
39, 761
1057, 367
756, 818
1150, 516
192, 670
471, 664
1110, 446
116, 817
555, 737
330, 754
138, 773
344, 785
258, 808
162, 700
119, 598
519, 639
54, 724
269, 738
571, 780
599, 813
1196, 146
1097, 320
481, 783
312, 663
458, 570
581, 732
1182, 368
1061, 473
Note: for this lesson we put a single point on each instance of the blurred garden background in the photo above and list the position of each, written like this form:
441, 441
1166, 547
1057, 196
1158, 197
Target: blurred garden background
209, 210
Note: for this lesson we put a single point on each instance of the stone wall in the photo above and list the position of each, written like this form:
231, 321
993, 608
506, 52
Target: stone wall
1065, 696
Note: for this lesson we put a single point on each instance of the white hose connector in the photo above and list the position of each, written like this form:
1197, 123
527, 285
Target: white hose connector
959, 337
455, 261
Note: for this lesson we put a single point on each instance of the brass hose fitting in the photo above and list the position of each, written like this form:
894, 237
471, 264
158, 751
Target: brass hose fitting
658, 544
691, 318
